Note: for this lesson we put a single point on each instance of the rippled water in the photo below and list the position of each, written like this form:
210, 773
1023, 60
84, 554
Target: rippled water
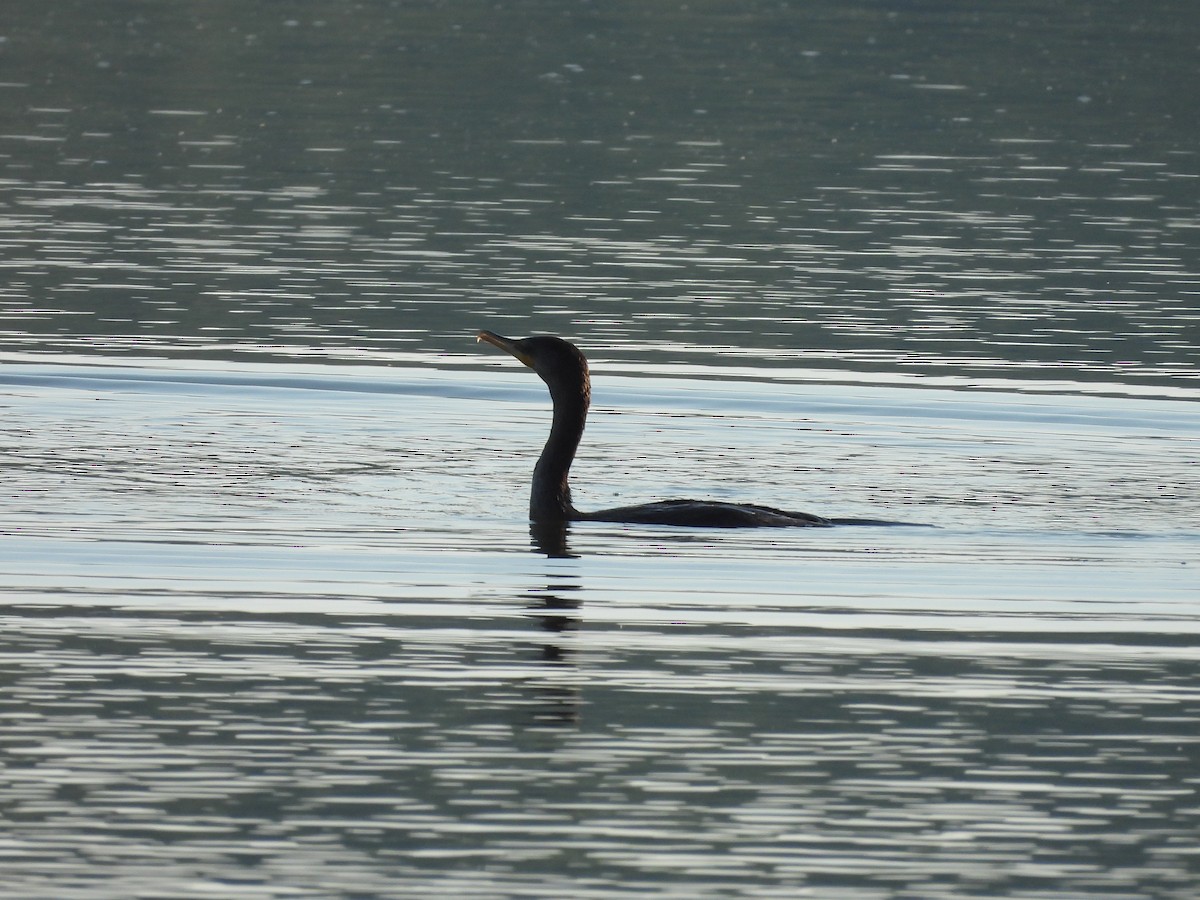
918, 189
945, 264
281, 632
272, 623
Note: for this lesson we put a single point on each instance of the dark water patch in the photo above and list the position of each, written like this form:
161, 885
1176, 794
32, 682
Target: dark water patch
872, 197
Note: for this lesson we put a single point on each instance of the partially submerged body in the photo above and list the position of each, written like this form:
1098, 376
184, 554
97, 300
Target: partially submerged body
565, 370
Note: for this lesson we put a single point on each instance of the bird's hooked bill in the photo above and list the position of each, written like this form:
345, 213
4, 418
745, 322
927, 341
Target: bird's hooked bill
508, 345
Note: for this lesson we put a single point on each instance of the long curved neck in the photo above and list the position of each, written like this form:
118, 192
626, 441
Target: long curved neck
550, 498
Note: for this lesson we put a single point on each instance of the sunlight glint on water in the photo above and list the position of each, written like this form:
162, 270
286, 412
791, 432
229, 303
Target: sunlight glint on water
343, 666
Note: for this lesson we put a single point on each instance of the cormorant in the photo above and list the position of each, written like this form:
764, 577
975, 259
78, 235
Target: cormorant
565, 370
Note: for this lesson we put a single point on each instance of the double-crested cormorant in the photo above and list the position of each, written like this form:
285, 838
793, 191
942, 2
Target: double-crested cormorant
565, 370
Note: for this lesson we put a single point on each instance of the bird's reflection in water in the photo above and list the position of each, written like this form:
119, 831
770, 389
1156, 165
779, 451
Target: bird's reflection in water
558, 697
550, 538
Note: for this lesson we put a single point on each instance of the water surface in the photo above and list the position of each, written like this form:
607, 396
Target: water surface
282, 631
273, 623
869, 186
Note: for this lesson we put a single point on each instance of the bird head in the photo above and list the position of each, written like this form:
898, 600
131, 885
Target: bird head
559, 363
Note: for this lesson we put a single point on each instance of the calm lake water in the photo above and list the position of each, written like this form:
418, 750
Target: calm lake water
272, 622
